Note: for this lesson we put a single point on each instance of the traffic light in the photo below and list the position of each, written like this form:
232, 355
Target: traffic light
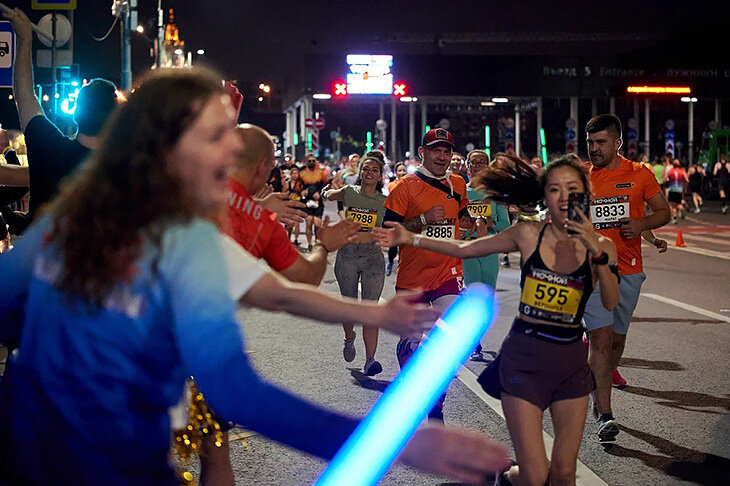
296, 139
309, 140
339, 89
428, 128
369, 141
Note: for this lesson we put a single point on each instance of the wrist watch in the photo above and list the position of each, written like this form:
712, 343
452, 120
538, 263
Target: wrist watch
601, 259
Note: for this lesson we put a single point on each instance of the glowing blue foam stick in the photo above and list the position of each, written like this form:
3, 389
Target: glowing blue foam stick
368, 453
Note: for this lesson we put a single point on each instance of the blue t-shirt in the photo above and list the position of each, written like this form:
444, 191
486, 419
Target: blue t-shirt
86, 399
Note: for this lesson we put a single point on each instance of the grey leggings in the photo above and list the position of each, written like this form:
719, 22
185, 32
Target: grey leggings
364, 263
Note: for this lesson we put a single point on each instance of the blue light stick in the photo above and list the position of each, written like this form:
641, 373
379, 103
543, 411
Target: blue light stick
368, 453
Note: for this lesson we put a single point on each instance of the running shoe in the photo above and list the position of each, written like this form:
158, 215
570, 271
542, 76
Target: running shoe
617, 380
607, 428
724, 210
348, 350
388, 269
372, 367
477, 354
594, 408
697, 210
505, 261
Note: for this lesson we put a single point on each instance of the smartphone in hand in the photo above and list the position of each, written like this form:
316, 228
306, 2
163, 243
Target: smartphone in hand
578, 201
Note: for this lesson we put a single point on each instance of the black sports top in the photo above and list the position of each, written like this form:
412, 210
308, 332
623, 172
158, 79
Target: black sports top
558, 299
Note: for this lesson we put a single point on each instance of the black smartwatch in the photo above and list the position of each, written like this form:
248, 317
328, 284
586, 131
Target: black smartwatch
601, 259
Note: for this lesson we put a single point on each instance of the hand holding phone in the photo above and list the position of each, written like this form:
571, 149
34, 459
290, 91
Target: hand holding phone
578, 202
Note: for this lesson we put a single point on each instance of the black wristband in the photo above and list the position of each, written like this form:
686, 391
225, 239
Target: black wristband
601, 259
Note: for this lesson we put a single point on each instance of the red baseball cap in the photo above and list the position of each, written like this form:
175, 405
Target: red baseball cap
437, 135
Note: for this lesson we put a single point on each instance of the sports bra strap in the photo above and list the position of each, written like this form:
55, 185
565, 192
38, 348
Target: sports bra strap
542, 232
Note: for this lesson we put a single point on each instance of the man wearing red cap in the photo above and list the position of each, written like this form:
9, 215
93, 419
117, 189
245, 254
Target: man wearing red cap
429, 202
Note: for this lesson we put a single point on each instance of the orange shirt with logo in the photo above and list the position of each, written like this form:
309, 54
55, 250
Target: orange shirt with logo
617, 194
420, 269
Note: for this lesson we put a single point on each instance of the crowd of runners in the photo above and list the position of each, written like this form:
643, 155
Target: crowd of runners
127, 281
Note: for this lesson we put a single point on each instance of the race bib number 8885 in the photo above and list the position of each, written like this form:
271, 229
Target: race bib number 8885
439, 231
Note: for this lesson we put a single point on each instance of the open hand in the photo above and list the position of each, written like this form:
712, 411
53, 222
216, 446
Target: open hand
400, 315
392, 234
459, 454
335, 236
287, 211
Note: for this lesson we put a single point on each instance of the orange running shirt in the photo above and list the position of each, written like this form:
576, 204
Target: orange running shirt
420, 269
621, 193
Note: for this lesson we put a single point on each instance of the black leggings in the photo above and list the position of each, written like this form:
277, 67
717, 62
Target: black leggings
392, 253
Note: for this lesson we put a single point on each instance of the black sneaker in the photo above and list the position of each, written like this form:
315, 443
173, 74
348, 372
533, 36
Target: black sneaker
372, 367
607, 428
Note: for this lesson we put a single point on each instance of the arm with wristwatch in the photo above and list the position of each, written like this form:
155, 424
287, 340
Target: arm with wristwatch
659, 243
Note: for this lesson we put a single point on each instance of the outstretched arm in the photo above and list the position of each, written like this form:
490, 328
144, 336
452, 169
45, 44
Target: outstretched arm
396, 234
25, 98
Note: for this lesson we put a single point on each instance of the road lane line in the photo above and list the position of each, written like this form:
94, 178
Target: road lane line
701, 251
689, 307
705, 239
584, 476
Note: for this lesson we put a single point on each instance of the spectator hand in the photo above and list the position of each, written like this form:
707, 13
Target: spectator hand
334, 237
236, 97
402, 315
392, 234
464, 456
287, 211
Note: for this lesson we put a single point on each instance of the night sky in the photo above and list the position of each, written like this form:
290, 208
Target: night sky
264, 40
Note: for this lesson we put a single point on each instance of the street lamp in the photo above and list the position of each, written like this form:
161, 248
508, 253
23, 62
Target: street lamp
140, 29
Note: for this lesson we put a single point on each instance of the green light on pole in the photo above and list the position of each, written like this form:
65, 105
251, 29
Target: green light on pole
296, 139
369, 141
543, 144
428, 128
309, 140
488, 141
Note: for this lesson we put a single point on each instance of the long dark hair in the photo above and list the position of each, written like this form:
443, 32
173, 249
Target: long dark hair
514, 181
377, 160
124, 192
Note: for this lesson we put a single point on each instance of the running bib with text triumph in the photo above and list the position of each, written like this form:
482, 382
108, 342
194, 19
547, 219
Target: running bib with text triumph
607, 211
550, 295
366, 217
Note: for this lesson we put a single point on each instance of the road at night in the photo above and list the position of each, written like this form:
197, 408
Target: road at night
674, 413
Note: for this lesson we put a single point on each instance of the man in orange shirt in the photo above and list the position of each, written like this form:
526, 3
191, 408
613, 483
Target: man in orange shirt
431, 202
621, 188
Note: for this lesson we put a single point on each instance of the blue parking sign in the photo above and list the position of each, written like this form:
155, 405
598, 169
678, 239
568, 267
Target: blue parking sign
7, 53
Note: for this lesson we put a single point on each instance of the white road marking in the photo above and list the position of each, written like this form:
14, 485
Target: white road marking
584, 476
705, 239
701, 251
689, 307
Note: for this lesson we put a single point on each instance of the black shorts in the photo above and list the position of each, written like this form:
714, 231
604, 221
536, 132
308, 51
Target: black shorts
539, 371
316, 212
675, 197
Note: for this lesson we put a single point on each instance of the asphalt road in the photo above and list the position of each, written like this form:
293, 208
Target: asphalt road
674, 414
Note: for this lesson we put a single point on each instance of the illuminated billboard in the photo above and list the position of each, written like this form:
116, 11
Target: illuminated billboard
370, 74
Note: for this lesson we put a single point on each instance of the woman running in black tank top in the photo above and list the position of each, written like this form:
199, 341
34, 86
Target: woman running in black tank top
542, 362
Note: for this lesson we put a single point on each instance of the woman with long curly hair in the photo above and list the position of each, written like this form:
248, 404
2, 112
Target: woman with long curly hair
121, 291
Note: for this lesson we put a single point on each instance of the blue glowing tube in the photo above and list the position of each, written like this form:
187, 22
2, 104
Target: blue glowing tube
368, 453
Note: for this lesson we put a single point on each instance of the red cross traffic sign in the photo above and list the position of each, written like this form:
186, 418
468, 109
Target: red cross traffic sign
309, 123
319, 123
